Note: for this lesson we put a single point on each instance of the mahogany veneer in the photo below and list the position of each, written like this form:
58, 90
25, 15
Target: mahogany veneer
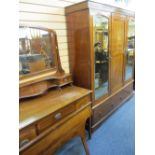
81, 38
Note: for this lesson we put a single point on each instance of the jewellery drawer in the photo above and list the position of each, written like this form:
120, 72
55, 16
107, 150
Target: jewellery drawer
83, 101
63, 80
26, 135
67, 79
55, 117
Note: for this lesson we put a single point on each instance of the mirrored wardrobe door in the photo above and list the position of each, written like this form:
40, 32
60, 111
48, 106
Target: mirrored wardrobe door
101, 52
129, 51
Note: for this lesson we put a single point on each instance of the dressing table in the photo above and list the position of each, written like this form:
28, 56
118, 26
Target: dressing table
51, 110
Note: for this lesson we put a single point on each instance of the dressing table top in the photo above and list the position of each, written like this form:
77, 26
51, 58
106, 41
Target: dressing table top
34, 109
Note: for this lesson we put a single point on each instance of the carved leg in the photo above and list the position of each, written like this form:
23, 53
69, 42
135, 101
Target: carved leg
82, 135
85, 145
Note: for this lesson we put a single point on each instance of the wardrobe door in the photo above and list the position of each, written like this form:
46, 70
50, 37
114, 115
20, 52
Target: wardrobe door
101, 54
129, 50
117, 51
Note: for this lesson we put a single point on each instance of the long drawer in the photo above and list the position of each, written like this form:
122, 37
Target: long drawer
55, 117
102, 110
61, 114
118, 98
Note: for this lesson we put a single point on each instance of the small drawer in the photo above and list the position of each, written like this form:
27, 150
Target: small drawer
55, 117
63, 80
83, 101
66, 79
26, 135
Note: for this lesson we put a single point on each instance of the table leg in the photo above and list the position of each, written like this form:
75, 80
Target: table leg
85, 145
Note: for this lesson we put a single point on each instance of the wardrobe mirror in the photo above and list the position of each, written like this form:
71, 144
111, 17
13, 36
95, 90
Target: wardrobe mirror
129, 53
101, 55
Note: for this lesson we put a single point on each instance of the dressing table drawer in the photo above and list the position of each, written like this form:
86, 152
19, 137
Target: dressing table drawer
55, 117
67, 79
83, 101
27, 134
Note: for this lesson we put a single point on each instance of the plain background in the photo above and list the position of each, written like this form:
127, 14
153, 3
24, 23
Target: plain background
145, 77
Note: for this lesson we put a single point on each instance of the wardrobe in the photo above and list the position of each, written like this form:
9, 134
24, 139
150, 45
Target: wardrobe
101, 42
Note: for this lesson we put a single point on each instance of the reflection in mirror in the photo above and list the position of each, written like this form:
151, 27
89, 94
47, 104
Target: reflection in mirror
35, 50
101, 55
130, 50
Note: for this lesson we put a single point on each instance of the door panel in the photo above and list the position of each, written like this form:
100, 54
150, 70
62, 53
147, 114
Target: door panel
117, 50
118, 32
116, 72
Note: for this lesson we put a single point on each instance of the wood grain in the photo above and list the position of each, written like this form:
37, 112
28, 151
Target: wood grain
81, 51
117, 51
32, 110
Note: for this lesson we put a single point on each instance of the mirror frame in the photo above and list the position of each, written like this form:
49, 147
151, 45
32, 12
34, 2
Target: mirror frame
32, 79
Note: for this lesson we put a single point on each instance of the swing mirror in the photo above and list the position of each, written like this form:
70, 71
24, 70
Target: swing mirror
37, 50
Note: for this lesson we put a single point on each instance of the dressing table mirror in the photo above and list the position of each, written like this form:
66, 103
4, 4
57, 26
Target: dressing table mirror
39, 62
35, 51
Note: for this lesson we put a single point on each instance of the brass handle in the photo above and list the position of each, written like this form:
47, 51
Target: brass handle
57, 116
24, 142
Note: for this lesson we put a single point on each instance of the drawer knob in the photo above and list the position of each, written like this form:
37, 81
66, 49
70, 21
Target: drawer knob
24, 142
57, 116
